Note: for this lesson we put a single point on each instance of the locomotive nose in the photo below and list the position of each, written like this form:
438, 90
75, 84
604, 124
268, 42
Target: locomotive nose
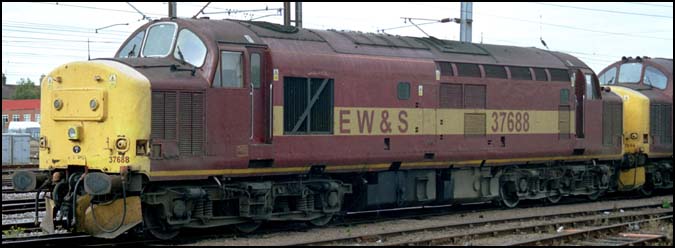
85, 116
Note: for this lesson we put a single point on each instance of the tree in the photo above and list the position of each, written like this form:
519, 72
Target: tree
4, 79
26, 90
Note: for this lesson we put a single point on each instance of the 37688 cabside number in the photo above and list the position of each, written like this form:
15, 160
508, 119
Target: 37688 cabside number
514, 121
118, 159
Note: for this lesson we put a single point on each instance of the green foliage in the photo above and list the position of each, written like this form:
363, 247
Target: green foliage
4, 79
14, 231
26, 90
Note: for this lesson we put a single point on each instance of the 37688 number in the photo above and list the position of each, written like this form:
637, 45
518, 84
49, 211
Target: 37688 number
514, 121
118, 159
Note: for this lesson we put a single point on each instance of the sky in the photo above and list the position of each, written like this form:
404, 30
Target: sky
37, 37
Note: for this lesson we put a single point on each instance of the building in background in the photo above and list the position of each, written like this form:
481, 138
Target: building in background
20, 110
8, 90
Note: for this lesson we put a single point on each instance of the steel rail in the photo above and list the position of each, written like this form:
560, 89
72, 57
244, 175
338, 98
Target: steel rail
384, 235
584, 234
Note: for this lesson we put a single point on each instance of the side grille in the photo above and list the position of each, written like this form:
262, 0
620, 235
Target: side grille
559, 75
659, 123
612, 121
520, 73
191, 121
474, 124
301, 114
474, 96
494, 71
163, 115
451, 95
446, 68
667, 120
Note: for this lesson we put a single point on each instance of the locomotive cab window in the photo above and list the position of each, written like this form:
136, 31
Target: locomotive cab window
590, 90
189, 48
159, 40
630, 73
133, 47
653, 77
608, 77
229, 73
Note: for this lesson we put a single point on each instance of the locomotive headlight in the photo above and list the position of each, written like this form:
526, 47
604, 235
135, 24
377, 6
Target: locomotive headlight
122, 144
74, 133
634, 136
93, 104
58, 104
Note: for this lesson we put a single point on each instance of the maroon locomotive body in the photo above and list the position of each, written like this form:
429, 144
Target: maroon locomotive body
416, 102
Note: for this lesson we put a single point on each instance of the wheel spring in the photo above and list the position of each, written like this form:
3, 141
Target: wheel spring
203, 208
198, 210
306, 203
208, 208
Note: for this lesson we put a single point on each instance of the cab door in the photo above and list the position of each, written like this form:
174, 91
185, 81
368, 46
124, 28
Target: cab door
258, 86
229, 105
579, 91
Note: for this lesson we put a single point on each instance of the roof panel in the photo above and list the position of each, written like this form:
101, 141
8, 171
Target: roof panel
350, 42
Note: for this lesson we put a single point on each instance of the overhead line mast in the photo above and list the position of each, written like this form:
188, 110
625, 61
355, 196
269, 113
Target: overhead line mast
466, 18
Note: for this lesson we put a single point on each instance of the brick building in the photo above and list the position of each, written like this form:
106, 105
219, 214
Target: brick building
20, 110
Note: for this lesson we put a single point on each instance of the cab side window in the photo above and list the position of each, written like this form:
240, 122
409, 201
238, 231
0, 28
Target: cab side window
609, 77
133, 47
590, 90
190, 48
255, 70
229, 73
655, 78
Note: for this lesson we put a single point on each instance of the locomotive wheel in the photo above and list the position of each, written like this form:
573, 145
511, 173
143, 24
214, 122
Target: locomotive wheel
595, 195
647, 189
322, 221
247, 227
509, 195
156, 225
554, 197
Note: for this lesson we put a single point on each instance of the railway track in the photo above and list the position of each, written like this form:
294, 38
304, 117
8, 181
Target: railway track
482, 228
611, 235
49, 240
21, 206
19, 166
351, 220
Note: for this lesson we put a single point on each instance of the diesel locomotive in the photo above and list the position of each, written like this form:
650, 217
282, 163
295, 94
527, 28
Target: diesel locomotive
197, 123
646, 88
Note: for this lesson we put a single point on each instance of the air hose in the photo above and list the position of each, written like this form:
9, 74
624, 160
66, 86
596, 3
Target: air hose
75, 197
124, 214
37, 198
